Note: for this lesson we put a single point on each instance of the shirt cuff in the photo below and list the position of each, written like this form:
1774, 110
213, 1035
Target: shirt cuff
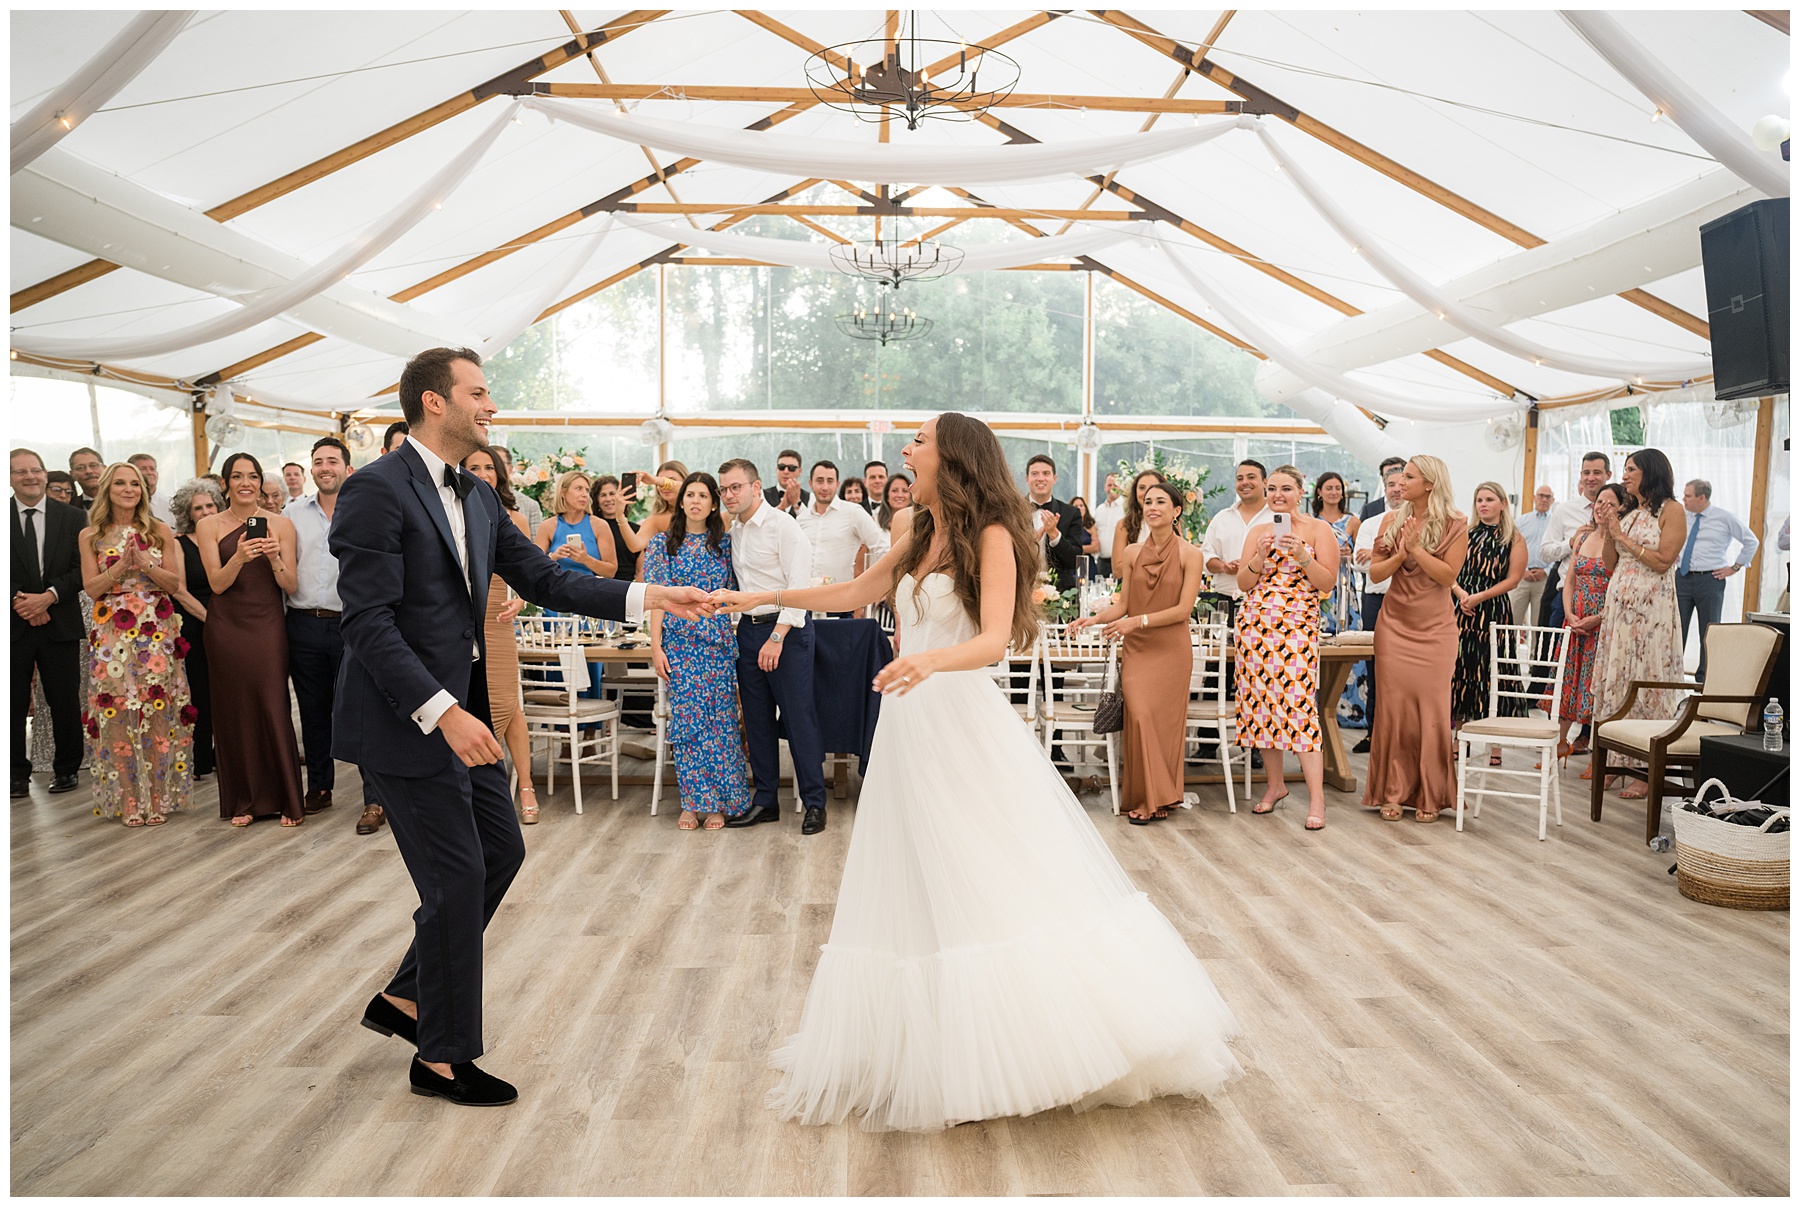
634, 603
793, 618
53, 594
432, 711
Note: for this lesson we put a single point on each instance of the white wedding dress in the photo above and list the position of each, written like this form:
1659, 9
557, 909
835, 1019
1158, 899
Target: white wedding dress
989, 957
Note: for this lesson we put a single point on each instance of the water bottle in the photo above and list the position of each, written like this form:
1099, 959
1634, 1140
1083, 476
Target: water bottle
1772, 715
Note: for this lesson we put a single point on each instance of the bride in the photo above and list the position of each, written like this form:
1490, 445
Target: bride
989, 957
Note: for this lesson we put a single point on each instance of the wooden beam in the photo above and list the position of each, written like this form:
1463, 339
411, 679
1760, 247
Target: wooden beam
499, 85
1528, 482
1759, 501
593, 59
786, 96
1260, 101
809, 224
1774, 18
202, 446
1224, 426
866, 211
1168, 94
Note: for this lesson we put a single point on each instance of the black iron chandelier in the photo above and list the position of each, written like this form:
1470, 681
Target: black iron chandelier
891, 261
910, 78
884, 322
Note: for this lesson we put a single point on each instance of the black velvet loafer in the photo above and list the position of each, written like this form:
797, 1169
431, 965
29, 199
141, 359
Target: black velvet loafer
387, 1018
469, 1087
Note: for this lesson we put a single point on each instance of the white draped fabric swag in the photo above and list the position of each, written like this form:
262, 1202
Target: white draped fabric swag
364, 247
1682, 105
1336, 384
99, 80
887, 163
1454, 312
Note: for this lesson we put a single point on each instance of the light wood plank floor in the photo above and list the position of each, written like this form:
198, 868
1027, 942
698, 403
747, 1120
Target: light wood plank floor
1426, 1013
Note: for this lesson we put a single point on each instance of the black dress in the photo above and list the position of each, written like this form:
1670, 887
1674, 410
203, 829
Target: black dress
628, 560
193, 631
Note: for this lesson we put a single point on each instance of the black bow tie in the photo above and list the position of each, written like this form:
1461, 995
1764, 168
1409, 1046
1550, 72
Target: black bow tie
462, 484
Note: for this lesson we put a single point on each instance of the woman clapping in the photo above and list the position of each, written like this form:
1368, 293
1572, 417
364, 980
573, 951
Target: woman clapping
1288, 565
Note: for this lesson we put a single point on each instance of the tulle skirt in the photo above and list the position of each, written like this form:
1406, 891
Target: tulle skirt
989, 957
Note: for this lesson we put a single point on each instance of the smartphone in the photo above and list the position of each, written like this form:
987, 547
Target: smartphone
1283, 524
256, 528
628, 485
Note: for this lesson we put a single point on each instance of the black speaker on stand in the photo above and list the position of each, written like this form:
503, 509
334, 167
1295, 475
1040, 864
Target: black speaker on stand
1745, 254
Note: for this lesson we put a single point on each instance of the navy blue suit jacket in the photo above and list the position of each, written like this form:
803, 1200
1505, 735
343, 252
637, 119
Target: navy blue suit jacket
411, 617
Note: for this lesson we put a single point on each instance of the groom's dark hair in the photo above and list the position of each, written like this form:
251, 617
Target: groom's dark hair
430, 370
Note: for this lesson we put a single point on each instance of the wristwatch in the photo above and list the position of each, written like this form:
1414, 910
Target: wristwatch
776, 637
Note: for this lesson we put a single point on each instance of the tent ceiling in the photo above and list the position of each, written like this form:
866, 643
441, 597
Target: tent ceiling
1510, 110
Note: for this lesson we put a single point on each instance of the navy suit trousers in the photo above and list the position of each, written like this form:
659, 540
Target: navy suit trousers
461, 842
790, 687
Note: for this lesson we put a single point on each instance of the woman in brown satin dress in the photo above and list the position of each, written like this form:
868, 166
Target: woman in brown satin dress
1162, 579
502, 656
1421, 548
257, 755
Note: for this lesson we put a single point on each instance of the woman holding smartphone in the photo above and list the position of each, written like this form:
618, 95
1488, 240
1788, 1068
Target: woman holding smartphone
569, 534
251, 558
1288, 566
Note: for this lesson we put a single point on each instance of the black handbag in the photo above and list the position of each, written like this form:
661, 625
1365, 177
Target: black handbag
1109, 709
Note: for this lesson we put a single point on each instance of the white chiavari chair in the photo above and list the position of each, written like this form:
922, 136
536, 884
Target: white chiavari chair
1076, 670
1526, 665
1211, 718
554, 707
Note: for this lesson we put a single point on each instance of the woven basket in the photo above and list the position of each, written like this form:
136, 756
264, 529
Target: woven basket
1719, 863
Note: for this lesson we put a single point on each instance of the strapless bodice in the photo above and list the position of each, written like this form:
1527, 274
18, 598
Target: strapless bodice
930, 615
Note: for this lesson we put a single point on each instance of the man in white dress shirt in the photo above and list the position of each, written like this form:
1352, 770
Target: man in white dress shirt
293, 476
315, 639
1106, 521
1529, 594
1705, 561
775, 650
836, 530
159, 504
1223, 545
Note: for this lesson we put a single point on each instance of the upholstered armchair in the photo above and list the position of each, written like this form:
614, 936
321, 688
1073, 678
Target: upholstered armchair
1739, 660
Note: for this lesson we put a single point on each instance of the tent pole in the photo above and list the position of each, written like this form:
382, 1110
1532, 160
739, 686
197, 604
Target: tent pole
1759, 501
1528, 482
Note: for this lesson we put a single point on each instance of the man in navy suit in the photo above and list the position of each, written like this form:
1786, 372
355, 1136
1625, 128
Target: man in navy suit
46, 626
417, 540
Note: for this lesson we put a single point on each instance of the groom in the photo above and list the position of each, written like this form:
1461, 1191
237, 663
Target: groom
417, 539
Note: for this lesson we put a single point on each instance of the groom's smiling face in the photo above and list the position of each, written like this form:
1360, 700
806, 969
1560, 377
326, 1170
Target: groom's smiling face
464, 425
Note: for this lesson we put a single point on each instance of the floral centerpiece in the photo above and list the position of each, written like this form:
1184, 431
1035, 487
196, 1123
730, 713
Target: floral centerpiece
536, 479
1190, 482
1058, 607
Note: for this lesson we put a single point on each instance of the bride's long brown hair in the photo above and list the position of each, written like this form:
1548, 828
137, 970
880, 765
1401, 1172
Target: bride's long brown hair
975, 489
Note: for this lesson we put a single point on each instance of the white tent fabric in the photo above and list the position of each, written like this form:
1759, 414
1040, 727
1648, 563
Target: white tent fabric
982, 258
886, 163
1508, 165
1683, 106
1447, 308
556, 287
352, 256
1335, 384
117, 64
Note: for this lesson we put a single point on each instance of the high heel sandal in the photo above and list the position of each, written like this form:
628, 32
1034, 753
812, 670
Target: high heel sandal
1315, 817
687, 821
1267, 806
241, 820
528, 814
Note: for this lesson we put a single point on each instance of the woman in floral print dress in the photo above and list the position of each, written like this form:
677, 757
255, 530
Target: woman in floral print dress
698, 659
139, 720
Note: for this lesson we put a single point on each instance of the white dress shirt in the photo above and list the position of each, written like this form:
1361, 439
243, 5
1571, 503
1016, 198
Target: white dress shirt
316, 567
1565, 519
429, 713
835, 536
161, 509
37, 523
1532, 526
1365, 542
770, 553
1225, 541
1106, 521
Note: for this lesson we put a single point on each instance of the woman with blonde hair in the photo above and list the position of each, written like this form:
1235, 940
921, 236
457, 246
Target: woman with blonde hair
1421, 549
140, 718
989, 956
568, 533
1494, 566
665, 497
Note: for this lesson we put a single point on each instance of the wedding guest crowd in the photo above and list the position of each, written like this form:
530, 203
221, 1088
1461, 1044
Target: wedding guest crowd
841, 533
